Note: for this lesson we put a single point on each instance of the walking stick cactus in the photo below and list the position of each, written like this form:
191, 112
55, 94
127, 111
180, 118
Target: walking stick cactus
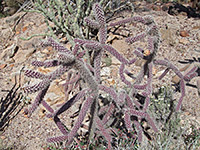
122, 102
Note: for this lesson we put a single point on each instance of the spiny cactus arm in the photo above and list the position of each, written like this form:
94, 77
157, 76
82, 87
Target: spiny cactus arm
47, 106
182, 89
75, 49
110, 91
37, 87
146, 104
164, 73
151, 122
129, 20
86, 74
108, 114
138, 53
48, 63
34, 74
57, 139
127, 121
65, 58
128, 73
149, 79
115, 53
103, 109
137, 113
191, 74
121, 97
80, 119
140, 87
121, 73
93, 46
104, 132
70, 102
73, 80
99, 14
58, 72
139, 130
102, 35
37, 63
150, 46
97, 66
60, 125
169, 65
136, 38
56, 46
91, 23
121, 22
130, 102
37, 101
132, 61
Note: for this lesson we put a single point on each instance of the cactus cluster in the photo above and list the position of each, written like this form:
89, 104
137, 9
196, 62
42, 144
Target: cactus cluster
127, 103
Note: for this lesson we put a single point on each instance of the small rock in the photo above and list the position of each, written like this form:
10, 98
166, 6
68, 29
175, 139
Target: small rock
3, 137
184, 33
183, 41
3, 66
105, 71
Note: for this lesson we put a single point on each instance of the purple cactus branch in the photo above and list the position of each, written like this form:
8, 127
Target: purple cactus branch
127, 121
151, 122
130, 102
150, 44
56, 46
80, 119
60, 125
75, 49
109, 113
34, 74
125, 102
97, 66
104, 132
110, 91
70, 102
170, 66
140, 87
57, 139
139, 130
182, 88
121, 73
102, 35
37, 63
37, 101
129, 20
191, 74
47, 106
93, 46
164, 73
66, 58
115, 53
99, 14
37, 87
136, 38
91, 23
138, 53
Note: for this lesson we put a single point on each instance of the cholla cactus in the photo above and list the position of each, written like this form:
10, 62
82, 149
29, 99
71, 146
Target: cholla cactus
124, 102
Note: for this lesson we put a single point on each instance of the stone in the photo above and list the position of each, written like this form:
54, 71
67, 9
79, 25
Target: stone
184, 33
168, 35
2, 66
184, 41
